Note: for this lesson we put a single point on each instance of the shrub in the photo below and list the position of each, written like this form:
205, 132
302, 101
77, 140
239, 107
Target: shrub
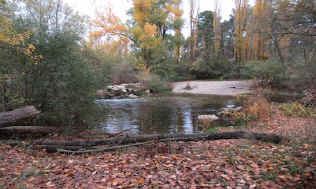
241, 118
270, 72
211, 67
297, 109
170, 70
64, 85
153, 82
255, 108
123, 72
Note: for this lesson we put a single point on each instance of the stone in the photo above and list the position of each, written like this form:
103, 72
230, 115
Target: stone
207, 121
208, 117
132, 96
229, 110
122, 91
148, 92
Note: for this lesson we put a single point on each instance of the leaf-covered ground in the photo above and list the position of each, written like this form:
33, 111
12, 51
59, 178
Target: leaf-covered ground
207, 164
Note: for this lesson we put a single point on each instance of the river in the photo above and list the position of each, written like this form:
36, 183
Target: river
161, 115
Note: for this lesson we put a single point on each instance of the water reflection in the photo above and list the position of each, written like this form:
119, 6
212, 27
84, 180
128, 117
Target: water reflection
157, 115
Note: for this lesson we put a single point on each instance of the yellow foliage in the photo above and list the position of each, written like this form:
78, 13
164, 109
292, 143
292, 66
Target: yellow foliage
259, 29
10, 37
142, 10
241, 50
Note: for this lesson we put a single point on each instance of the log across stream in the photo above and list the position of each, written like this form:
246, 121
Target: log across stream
78, 147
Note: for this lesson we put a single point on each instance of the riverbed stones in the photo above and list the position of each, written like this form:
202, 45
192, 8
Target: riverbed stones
228, 110
129, 90
208, 117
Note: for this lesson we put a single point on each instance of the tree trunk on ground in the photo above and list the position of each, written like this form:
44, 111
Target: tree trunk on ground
17, 115
26, 130
116, 143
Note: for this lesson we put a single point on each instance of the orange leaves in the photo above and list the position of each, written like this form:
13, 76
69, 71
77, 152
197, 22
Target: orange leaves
107, 24
145, 32
110, 33
142, 11
147, 36
150, 30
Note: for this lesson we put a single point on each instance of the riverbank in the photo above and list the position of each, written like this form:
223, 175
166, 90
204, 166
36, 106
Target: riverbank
234, 163
213, 87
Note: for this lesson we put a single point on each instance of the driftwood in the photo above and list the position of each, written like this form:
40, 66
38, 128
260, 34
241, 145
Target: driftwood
17, 114
118, 142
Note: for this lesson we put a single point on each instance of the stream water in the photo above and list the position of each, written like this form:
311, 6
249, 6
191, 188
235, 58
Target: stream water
160, 115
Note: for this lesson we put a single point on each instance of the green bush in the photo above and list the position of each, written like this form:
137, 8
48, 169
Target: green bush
211, 67
64, 85
270, 72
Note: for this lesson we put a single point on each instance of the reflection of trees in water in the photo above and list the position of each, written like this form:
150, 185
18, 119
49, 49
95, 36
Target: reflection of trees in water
162, 114
156, 117
185, 120
165, 117
122, 116
180, 120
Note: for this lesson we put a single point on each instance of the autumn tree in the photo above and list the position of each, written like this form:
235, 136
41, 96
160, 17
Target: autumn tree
110, 34
149, 32
4, 22
154, 19
241, 33
260, 29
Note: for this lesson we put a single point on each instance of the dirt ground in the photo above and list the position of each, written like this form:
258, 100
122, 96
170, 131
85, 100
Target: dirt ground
213, 87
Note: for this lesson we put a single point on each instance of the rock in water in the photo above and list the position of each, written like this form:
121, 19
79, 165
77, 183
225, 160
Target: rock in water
207, 120
208, 117
132, 96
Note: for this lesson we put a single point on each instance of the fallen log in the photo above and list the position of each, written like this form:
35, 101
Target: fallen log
127, 140
26, 130
17, 114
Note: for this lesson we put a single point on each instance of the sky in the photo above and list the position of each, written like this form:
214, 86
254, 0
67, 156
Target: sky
120, 7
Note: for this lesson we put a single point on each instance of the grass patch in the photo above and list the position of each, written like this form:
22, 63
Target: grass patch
212, 130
